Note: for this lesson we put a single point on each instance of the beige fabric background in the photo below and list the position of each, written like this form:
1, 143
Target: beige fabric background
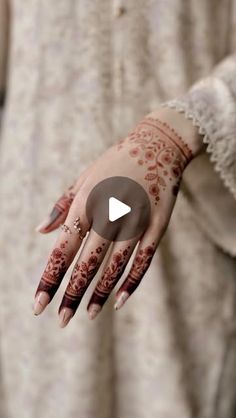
4, 28
81, 74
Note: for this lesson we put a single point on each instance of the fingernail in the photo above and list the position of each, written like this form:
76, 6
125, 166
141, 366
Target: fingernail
43, 225
93, 310
121, 300
65, 316
41, 301
48, 221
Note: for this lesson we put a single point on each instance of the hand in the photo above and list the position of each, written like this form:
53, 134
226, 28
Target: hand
154, 155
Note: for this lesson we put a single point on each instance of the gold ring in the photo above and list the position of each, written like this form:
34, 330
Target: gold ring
77, 227
66, 229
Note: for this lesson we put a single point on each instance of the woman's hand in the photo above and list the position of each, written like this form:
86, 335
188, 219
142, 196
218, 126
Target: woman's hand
154, 155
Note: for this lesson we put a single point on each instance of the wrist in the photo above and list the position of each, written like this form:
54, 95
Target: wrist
183, 127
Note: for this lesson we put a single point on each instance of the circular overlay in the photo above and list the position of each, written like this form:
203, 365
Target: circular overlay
109, 199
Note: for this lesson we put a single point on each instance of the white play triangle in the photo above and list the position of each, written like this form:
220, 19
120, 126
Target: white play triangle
117, 209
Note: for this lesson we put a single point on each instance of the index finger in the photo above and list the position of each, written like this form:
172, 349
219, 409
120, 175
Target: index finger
62, 255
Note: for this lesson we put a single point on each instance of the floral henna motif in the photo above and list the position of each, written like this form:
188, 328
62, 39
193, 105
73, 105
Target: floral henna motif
110, 277
162, 151
55, 270
141, 263
82, 276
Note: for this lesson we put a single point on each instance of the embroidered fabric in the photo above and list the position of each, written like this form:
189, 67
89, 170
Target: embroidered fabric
211, 105
209, 138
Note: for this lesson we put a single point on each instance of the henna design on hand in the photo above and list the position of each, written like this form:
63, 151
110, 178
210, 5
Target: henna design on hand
55, 270
140, 265
110, 277
81, 278
162, 151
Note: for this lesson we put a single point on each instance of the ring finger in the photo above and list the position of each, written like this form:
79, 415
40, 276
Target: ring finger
112, 272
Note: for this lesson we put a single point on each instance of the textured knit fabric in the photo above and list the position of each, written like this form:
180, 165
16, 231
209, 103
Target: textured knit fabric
81, 74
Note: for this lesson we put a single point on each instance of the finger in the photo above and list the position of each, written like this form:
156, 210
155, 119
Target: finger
62, 206
142, 260
59, 212
83, 273
65, 249
112, 272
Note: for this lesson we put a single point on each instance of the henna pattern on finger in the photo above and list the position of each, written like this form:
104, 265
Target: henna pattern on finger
140, 265
110, 277
62, 206
55, 270
65, 201
81, 278
162, 152
59, 211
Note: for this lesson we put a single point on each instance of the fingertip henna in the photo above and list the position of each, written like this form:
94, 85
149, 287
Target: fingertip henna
140, 265
54, 272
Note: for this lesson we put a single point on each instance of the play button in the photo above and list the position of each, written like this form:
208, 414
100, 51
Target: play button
118, 209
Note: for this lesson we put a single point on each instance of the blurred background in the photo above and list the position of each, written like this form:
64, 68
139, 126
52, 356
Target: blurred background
76, 76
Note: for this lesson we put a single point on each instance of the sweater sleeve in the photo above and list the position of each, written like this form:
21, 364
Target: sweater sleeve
211, 105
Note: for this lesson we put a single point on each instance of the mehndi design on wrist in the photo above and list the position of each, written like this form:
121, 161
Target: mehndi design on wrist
162, 151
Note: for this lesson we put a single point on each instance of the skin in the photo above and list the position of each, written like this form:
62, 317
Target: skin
155, 155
